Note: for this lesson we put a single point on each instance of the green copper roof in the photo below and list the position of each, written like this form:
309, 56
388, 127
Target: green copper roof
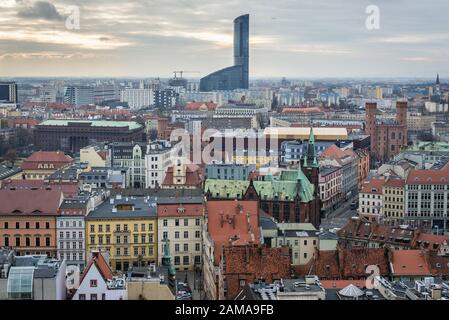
283, 187
94, 123
429, 146
311, 152
311, 136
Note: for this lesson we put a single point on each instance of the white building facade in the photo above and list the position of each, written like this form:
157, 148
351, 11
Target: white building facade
137, 98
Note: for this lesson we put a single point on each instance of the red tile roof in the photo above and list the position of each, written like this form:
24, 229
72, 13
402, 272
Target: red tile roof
430, 241
193, 176
101, 264
201, 106
346, 263
171, 210
68, 189
428, 176
373, 186
253, 262
232, 222
57, 158
332, 151
335, 152
409, 263
397, 183
24, 202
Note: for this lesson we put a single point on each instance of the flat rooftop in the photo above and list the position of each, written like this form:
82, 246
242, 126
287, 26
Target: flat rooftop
124, 208
320, 133
93, 123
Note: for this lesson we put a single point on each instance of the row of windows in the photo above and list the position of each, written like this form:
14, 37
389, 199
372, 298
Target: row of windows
394, 191
185, 247
137, 251
185, 234
118, 227
296, 242
71, 235
185, 222
27, 243
122, 239
186, 260
27, 225
427, 187
72, 256
74, 245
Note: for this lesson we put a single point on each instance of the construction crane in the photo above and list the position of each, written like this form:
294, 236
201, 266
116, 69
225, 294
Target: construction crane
181, 72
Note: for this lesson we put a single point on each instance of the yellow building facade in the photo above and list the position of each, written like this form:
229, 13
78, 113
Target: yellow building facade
127, 229
393, 201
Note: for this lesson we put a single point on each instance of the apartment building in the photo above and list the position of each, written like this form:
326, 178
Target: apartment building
126, 228
180, 220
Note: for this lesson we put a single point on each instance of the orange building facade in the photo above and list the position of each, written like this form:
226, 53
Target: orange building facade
28, 220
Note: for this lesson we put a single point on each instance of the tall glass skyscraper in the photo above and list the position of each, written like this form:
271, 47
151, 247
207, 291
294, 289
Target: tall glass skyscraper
236, 76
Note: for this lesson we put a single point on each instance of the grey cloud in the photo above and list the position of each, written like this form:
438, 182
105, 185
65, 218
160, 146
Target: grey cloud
40, 10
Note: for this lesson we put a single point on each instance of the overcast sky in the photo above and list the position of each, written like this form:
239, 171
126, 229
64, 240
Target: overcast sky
293, 38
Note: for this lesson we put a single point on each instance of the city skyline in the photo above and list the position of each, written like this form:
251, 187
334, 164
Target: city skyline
304, 39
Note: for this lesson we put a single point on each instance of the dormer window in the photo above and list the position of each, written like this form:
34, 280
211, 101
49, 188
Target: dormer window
181, 210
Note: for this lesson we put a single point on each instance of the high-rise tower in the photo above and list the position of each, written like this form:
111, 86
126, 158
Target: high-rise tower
236, 76
241, 47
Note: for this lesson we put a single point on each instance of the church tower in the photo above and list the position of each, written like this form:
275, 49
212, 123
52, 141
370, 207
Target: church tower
311, 165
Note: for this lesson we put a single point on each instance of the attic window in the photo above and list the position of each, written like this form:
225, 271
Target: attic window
181, 210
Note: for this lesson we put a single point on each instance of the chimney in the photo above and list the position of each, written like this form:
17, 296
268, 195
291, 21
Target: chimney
436, 293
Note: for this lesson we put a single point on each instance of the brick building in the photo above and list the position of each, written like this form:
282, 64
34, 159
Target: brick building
388, 137
244, 264
291, 196
227, 223
72, 135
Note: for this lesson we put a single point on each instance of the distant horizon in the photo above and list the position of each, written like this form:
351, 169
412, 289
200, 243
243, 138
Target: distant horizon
289, 38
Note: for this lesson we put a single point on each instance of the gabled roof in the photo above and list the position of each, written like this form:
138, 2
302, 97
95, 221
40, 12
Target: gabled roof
201, 106
286, 186
101, 265
232, 222
428, 176
373, 186
409, 263
193, 176
36, 202
346, 263
57, 158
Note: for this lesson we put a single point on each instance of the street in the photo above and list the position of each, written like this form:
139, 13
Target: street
339, 217
193, 280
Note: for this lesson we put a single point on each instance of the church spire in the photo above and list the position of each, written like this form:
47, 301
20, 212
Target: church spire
311, 152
